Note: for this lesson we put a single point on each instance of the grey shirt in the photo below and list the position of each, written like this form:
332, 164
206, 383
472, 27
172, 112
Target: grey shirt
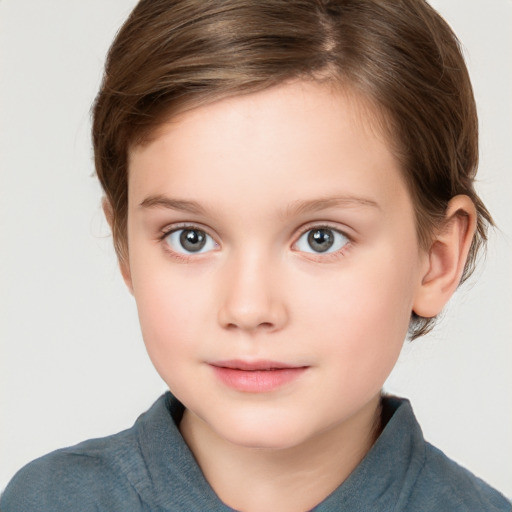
150, 468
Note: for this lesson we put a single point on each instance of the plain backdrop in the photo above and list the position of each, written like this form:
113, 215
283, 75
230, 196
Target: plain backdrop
72, 362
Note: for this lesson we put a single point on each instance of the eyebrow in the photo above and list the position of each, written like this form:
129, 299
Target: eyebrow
299, 207
310, 206
160, 201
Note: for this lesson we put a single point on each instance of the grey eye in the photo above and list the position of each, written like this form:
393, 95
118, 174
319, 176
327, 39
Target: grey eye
321, 240
190, 241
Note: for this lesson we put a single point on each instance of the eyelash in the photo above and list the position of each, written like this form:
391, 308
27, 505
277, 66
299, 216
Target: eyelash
318, 256
327, 256
182, 257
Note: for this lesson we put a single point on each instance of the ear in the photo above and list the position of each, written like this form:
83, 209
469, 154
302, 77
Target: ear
124, 265
446, 257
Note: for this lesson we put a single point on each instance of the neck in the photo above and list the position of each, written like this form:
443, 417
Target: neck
291, 479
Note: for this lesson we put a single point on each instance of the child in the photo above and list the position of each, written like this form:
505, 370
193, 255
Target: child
290, 190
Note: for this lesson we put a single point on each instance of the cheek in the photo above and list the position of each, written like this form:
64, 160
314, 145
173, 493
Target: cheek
171, 313
361, 314
373, 299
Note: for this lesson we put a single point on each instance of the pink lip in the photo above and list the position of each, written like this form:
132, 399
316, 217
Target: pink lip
256, 376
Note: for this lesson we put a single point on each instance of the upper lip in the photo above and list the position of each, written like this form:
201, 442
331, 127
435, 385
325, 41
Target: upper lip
238, 364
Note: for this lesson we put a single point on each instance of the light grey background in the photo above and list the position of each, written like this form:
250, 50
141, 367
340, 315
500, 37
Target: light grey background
72, 363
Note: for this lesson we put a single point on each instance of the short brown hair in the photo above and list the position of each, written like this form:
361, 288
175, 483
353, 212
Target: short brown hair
171, 55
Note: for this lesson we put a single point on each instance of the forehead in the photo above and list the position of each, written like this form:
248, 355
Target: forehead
362, 107
305, 134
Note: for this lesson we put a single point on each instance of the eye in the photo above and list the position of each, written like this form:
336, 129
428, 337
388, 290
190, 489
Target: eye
190, 241
321, 240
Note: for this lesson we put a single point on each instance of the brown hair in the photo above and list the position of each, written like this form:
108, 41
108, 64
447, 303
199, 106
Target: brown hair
171, 55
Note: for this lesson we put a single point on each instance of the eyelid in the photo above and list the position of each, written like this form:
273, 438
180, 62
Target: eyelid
326, 256
171, 228
179, 226
323, 225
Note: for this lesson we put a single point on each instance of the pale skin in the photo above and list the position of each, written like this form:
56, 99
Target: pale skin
255, 176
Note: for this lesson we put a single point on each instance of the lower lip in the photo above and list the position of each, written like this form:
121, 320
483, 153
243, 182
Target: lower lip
257, 381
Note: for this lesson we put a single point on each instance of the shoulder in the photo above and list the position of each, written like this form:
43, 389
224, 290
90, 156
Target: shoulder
443, 485
425, 478
91, 474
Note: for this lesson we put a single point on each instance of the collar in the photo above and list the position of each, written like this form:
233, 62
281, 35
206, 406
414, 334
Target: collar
170, 478
385, 477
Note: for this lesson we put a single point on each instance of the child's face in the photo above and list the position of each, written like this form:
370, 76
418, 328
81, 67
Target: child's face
272, 230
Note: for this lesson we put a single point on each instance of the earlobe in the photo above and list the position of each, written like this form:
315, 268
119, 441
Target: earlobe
124, 265
446, 257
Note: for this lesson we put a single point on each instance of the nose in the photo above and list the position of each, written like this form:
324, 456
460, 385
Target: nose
252, 296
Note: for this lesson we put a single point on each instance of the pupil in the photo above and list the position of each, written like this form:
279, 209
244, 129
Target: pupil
320, 240
192, 240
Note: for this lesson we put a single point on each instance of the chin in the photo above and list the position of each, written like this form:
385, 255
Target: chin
263, 434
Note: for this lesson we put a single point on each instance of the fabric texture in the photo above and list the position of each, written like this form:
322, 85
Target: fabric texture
150, 468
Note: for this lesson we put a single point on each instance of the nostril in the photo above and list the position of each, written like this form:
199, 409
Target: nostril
250, 327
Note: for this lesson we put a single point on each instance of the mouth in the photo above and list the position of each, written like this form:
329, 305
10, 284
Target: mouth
256, 376
253, 366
